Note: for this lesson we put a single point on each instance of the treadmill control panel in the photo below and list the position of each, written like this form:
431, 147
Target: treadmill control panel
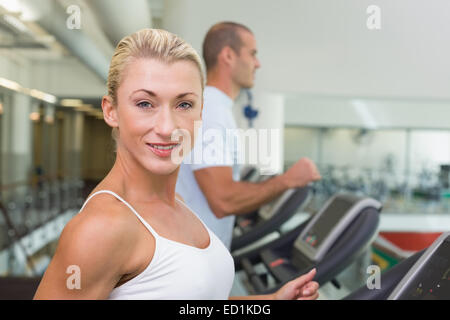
431, 278
330, 223
267, 211
329, 218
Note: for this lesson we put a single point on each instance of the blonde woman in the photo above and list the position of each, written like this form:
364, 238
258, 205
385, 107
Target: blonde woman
133, 238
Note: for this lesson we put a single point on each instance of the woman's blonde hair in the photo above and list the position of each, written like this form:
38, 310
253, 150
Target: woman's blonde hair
149, 43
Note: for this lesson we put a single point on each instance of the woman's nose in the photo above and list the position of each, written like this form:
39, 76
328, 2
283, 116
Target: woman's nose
165, 123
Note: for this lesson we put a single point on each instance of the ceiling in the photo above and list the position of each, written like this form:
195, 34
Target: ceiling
306, 47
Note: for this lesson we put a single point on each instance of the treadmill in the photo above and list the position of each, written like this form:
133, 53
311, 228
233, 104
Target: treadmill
329, 241
248, 173
269, 218
423, 276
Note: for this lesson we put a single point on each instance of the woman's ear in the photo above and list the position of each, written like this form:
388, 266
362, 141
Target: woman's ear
201, 110
109, 112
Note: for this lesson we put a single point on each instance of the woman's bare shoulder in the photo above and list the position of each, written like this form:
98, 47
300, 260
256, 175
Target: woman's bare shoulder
97, 240
104, 220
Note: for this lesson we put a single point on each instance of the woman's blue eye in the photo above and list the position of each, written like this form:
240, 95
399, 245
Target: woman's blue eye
144, 104
185, 105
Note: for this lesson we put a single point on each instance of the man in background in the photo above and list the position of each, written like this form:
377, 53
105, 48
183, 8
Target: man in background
212, 189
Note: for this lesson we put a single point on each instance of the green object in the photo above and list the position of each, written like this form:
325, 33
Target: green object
389, 260
445, 193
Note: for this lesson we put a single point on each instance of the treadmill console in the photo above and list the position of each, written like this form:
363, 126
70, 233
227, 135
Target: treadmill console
267, 211
329, 223
429, 278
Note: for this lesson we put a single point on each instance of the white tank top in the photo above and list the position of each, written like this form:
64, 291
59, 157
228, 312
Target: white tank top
179, 271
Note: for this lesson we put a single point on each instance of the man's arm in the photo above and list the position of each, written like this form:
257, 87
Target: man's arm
228, 197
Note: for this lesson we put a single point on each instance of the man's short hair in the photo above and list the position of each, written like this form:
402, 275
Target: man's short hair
219, 36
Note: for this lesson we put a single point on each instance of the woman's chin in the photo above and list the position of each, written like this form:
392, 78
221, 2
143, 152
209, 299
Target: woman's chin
163, 169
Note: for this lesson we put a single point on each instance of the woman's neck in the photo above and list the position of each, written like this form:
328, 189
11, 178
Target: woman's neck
137, 183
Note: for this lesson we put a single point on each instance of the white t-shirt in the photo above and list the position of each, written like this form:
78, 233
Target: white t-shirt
212, 149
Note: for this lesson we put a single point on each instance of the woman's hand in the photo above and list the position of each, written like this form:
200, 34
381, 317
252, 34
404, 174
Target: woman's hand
302, 288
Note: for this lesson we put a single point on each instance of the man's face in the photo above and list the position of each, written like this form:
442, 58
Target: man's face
244, 69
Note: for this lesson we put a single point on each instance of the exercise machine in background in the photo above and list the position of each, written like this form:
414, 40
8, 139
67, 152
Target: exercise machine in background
330, 241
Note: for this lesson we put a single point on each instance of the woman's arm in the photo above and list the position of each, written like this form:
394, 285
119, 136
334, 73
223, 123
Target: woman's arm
301, 288
89, 260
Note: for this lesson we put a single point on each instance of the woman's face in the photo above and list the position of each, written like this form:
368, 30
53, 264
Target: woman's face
155, 100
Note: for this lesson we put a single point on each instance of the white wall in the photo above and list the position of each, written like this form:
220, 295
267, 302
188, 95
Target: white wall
334, 111
325, 47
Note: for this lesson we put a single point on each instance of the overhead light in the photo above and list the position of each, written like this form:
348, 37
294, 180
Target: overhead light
71, 102
11, 5
85, 108
43, 96
47, 38
12, 85
16, 23
27, 13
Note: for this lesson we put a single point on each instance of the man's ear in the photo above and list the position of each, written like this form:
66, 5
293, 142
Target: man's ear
109, 112
227, 55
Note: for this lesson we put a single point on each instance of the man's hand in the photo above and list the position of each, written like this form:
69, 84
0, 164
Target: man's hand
302, 288
301, 173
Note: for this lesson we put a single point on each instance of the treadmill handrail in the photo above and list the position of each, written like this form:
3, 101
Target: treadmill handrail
389, 280
265, 227
406, 280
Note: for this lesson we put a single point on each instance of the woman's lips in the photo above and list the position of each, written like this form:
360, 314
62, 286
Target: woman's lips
162, 149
